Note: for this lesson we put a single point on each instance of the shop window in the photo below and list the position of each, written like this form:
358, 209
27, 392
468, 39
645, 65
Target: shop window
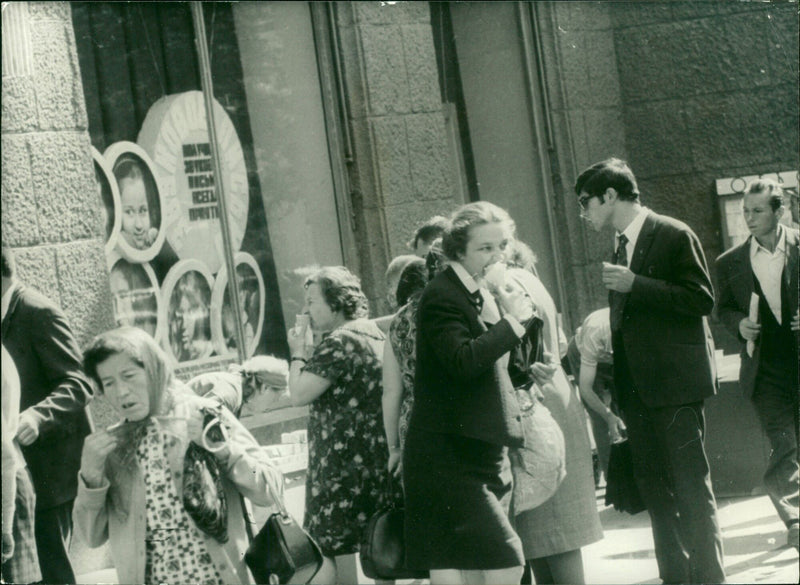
166, 246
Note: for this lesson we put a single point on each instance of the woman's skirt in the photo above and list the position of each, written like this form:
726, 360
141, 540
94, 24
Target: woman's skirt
457, 491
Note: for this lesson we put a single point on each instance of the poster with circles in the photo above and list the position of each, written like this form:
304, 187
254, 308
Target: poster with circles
186, 311
175, 134
140, 207
108, 198
135, 295
252, 297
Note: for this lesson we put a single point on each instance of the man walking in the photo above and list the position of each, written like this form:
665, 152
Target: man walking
765, 265
659, 294
53, 421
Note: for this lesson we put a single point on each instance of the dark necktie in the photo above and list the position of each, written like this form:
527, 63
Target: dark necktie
477, 300
621, 255
615, 299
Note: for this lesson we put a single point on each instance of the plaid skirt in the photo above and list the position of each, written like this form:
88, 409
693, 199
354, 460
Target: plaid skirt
23, 566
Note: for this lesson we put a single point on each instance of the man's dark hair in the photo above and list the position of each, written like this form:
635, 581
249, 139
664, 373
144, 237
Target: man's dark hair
771, 188
428, 231
612, 172
8, 268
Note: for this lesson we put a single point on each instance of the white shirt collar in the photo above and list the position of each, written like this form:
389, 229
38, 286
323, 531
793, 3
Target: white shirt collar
632, 231
6, 299
465, 277
780, 247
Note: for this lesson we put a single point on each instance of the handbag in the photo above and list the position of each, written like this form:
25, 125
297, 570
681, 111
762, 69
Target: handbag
282, 551
621, 489
203, 491
539, 466
383, 550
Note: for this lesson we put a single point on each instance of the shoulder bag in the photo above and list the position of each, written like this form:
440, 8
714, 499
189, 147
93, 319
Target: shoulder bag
282, 551
383, 550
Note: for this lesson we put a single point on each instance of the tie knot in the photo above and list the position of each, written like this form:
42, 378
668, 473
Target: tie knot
623, 239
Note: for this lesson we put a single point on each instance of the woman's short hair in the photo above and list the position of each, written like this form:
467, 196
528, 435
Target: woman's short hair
412, 280
771, 188
142, 349
611, 173
466, 217
341, 290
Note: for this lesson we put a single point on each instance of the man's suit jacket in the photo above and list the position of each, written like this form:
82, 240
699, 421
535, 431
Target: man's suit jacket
664, 332
736, 284
53, 384
461, 385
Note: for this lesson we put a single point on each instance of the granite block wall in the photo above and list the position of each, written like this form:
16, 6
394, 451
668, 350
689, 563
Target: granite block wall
51, 214
401, 173
687, 92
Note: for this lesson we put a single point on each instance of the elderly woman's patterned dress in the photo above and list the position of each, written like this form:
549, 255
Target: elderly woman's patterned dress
347, 453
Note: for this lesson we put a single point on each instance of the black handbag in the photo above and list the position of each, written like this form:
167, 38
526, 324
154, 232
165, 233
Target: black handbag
621, 489
383, 550
282, 551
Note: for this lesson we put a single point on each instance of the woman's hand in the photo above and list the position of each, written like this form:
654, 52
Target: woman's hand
395, 461
616, 427
514, 300
96, 449
297, 343
543, 372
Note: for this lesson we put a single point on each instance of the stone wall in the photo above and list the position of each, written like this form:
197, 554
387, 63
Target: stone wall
51, 215
401, 173
709, 90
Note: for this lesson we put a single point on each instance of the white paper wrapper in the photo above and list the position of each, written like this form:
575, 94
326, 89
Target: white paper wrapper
495, 276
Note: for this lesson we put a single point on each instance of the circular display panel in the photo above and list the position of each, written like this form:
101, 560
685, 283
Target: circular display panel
252, 296
175, 134
140, 204
108, 197
135, 297
186, 310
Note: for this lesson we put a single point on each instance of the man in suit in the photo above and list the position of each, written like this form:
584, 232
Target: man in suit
659, 294
53, 421
766, 265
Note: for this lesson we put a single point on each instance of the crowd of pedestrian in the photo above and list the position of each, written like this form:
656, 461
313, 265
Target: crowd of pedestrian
421, 408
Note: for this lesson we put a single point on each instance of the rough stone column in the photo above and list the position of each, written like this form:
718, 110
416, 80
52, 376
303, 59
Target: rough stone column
51, 213
583, 88
402, 171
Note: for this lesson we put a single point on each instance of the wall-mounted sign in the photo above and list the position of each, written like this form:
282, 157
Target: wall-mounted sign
108, 194
251, 302
140, 203
731, 190
175, 134
186, 310
134, 292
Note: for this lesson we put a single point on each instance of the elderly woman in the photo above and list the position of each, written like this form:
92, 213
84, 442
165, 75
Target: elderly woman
131, 479
340, 379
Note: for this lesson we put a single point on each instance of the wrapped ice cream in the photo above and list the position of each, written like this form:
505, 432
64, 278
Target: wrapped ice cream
495, 276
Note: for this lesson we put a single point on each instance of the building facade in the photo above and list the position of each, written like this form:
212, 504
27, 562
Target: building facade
341, 126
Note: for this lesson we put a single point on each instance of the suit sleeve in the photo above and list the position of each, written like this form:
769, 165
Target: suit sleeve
688, 291
728, 311
60, 357
446, 326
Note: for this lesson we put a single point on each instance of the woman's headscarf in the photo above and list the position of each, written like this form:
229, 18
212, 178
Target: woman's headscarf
161, 383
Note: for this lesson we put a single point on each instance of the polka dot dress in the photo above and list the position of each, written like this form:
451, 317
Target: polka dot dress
175, 549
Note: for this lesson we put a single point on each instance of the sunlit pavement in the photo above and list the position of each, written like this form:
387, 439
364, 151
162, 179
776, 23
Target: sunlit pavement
755, 546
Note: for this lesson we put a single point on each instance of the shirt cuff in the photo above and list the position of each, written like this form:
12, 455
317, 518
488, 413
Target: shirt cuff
519, 330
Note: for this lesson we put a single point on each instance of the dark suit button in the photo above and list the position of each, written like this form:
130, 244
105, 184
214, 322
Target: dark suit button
518, 417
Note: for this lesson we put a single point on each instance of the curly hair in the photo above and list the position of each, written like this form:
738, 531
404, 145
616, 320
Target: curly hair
341, 290
466, 217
